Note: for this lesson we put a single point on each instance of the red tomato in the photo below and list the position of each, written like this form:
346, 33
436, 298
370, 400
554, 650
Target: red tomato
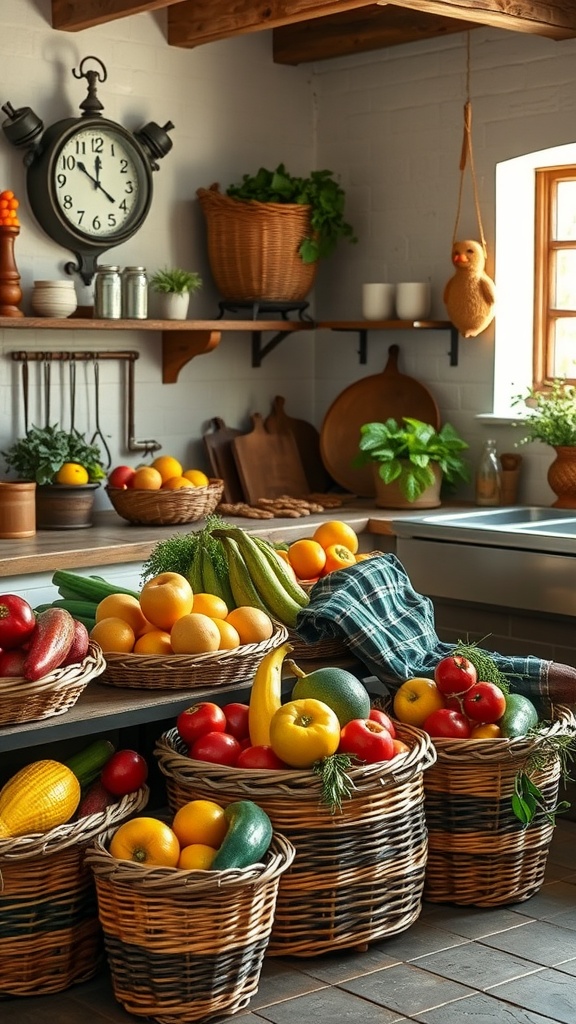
377, 715
369, 740
125, 772
237, 720
121, 476
484, 703
454, 674
217, 747
259, 757
12, 662
199, 719
447, 723
17, 621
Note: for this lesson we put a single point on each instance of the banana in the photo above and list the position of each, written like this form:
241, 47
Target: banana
266, 694
279, 604
243, 589
291, 586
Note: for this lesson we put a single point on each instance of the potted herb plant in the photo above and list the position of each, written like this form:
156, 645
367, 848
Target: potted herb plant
175, 286
552, 420
411, 461
66, 469
267, 233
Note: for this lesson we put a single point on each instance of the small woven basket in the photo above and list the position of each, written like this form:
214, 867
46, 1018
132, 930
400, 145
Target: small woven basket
51, 936
479, 853
165, 508
358, 874
253, 248
189, 671
186, 945
53, 694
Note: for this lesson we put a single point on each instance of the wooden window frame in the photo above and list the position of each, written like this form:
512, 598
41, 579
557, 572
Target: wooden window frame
545, 315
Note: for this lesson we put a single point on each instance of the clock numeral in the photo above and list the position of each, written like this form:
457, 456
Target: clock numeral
123, 166
97, 144
60, 180
123, 206
80, 214
129, 188
68, 163
111, 220
80, 147
96, 225
67, 202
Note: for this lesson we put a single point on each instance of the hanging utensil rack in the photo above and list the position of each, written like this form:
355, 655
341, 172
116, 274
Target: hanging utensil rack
129, 357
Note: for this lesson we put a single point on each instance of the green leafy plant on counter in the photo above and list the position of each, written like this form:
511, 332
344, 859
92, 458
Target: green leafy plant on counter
175, 280
552, 414
406, 450
320, 191
44, 450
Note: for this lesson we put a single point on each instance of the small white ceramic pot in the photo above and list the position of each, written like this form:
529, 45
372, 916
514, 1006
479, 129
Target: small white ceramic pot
172, 306
54, 298
413, 300
378, 301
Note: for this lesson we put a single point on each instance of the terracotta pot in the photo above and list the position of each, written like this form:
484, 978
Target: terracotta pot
17, 509
390, 495
65, 507
562, 477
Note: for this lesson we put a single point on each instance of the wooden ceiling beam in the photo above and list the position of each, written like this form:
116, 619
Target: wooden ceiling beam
553, 18
73, 15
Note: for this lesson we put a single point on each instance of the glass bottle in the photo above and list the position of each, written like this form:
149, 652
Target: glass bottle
488, 476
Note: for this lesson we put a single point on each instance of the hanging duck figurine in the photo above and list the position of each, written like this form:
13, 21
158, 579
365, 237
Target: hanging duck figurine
470, 295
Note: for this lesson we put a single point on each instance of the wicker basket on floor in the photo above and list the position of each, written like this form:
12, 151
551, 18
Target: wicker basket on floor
190, 671
358, 875
50, 936
186, 945
166, 508
53, 694
479, 853
253, 248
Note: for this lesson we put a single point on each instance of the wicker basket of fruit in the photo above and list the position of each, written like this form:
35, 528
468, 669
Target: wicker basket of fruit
51, 937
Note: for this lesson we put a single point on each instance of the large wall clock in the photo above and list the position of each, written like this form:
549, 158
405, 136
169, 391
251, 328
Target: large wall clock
89, 179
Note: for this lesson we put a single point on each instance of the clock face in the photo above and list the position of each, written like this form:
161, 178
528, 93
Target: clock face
100, 182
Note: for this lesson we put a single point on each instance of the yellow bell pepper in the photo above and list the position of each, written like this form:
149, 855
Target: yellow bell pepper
304, 731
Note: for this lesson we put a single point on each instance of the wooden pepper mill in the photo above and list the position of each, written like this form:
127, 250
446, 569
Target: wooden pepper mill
10, 290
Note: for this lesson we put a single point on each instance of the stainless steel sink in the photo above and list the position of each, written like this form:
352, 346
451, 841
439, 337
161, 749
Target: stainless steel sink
522, 518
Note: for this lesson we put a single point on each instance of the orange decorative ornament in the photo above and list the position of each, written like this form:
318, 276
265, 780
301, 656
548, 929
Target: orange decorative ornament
470, 295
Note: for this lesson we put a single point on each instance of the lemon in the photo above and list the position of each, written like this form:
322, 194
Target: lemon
72, 473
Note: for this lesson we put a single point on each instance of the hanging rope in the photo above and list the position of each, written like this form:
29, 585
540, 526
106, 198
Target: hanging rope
467, 156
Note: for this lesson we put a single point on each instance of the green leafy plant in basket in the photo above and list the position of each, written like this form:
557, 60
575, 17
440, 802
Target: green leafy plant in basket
319, 190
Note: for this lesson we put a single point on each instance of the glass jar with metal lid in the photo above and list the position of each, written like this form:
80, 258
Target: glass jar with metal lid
134, 293
107, 293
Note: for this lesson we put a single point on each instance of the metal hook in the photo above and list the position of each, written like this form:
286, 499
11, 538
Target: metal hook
98, 432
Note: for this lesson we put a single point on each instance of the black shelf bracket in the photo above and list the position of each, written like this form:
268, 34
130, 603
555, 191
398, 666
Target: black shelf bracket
259, 350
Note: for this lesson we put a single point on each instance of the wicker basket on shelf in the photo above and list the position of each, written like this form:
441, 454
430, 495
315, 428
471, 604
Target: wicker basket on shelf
253, 248
190, 671
479, 853
186, 945
51, 936
53, 694
358, 874
166, 508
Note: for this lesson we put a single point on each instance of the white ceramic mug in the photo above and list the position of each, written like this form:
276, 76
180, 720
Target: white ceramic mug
413, 300
378, 301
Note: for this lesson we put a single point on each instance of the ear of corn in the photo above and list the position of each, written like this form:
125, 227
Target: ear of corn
37, 798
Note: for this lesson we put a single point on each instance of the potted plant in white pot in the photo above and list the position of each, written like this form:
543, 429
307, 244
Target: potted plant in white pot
67, 470
411, 461
174, 287
552, 420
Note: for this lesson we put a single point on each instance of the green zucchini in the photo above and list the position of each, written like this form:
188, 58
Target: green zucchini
88, 763
72, 586
247, 839
519, 718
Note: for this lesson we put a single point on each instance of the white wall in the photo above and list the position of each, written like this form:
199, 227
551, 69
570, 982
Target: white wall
388, 123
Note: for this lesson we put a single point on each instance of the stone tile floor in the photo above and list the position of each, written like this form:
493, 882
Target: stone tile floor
455, 965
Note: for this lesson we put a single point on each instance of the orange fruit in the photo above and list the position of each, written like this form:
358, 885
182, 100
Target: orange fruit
72, 473
307, 558
338, 557
197, 857
166, 598
122, 606
400, 747
176, 483
155, 641
336, 532
114, 635
210, 604
146, 841
200, 821
194, 634
252, 624
196, 477
146, 478
167, 466
485, 732
229, 637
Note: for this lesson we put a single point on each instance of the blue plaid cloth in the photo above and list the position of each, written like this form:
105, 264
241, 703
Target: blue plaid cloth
389, 627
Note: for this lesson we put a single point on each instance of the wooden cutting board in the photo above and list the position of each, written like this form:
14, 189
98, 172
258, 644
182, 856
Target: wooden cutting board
268, 464
371, 399
307, 440
218, 445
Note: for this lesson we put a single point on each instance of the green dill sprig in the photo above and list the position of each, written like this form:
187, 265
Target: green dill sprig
177, 553
486, 668
336, 784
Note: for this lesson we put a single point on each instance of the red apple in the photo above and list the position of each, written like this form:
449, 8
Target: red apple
454, 674
484, 702
447, 723
121, 476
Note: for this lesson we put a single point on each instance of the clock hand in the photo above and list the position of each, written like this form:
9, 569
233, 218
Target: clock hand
97, 184
97, 167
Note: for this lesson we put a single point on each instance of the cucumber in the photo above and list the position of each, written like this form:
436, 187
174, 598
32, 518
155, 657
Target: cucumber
519, 718
88, 763
72, 586
247, 839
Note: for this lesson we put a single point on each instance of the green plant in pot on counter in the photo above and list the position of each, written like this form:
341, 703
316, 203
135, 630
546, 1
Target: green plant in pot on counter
413, 455
41, 454
551, 420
